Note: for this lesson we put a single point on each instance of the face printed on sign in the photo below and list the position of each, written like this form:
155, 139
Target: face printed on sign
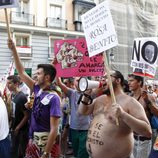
40, 139
149, 52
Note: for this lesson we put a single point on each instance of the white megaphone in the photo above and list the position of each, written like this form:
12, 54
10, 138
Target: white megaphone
85, 84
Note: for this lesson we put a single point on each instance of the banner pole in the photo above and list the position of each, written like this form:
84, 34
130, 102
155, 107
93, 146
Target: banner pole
7, 22
110, 83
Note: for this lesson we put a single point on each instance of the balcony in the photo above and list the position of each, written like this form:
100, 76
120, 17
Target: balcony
56, 23
78, 26
22, 18
79, 8
25, 52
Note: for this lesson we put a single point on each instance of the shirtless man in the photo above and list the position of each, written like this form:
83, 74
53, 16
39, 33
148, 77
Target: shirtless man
105, 138
142, 145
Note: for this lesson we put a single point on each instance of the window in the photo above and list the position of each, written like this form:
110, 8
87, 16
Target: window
55, 11
27, 70
51, 46
23, 45
23, 7
22, 40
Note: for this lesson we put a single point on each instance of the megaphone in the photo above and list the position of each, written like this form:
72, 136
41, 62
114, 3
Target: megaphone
85, 84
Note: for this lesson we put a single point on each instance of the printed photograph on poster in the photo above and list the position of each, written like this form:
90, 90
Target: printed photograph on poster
145, 56
73, 60
8, 3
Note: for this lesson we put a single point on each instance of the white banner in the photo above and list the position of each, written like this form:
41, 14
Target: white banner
9, 3
99, 29
145, 55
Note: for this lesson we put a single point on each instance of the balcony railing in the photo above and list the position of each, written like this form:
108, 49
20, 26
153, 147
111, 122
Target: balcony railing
56, 23
22, 18
24, 52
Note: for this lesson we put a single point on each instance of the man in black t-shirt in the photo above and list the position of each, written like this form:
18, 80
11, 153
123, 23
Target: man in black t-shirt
19, 116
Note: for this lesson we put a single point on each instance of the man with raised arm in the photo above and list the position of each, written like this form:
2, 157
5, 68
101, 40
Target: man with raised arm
106, 139
46, 112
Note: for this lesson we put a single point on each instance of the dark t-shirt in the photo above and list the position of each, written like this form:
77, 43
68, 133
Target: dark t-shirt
19, 101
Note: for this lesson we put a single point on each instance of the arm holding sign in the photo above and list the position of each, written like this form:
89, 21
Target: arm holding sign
127, 110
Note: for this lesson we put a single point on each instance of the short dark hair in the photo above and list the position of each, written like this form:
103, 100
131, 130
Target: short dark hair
118, 74
15, 79
126, 87
48, 70
138, 78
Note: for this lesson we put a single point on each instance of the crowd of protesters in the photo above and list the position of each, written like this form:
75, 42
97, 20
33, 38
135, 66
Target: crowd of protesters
54, 116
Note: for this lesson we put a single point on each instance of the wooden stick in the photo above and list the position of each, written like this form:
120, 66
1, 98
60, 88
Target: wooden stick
7, 22
109, 79
110, 83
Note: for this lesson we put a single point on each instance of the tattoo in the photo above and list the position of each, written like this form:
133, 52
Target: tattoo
95, 141
89, 150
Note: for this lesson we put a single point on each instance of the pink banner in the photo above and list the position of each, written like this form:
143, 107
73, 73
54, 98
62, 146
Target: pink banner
73, 60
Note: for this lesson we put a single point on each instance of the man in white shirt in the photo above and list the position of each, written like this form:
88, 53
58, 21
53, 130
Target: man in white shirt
4, 131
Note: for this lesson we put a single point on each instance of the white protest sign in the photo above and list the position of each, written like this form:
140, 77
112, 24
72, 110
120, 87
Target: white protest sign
8, 3
145, 55
99, 29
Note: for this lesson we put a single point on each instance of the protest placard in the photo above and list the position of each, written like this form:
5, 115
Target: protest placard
144, 56
8, 3
73, 60
99, 29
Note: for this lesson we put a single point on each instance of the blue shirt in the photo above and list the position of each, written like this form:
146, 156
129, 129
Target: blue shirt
77, 121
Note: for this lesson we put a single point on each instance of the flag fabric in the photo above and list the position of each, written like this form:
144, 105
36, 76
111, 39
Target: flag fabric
3, 81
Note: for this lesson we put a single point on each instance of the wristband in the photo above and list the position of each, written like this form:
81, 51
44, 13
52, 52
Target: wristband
90, 100
46, 154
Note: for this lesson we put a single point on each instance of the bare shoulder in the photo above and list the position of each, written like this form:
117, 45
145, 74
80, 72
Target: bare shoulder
132, 105
101, 98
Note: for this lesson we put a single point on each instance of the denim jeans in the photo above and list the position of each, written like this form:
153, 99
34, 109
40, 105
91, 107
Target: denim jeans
142, 148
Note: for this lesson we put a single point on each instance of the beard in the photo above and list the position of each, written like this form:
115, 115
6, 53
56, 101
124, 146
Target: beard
107, 91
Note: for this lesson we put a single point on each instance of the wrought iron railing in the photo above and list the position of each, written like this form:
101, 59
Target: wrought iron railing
22, 18
56, 23
24, 51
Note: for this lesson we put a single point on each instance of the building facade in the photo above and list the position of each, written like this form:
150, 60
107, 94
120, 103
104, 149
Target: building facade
132, 19
35, 25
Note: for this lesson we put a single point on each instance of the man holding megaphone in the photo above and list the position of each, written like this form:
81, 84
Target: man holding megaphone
105, 138
79, 124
